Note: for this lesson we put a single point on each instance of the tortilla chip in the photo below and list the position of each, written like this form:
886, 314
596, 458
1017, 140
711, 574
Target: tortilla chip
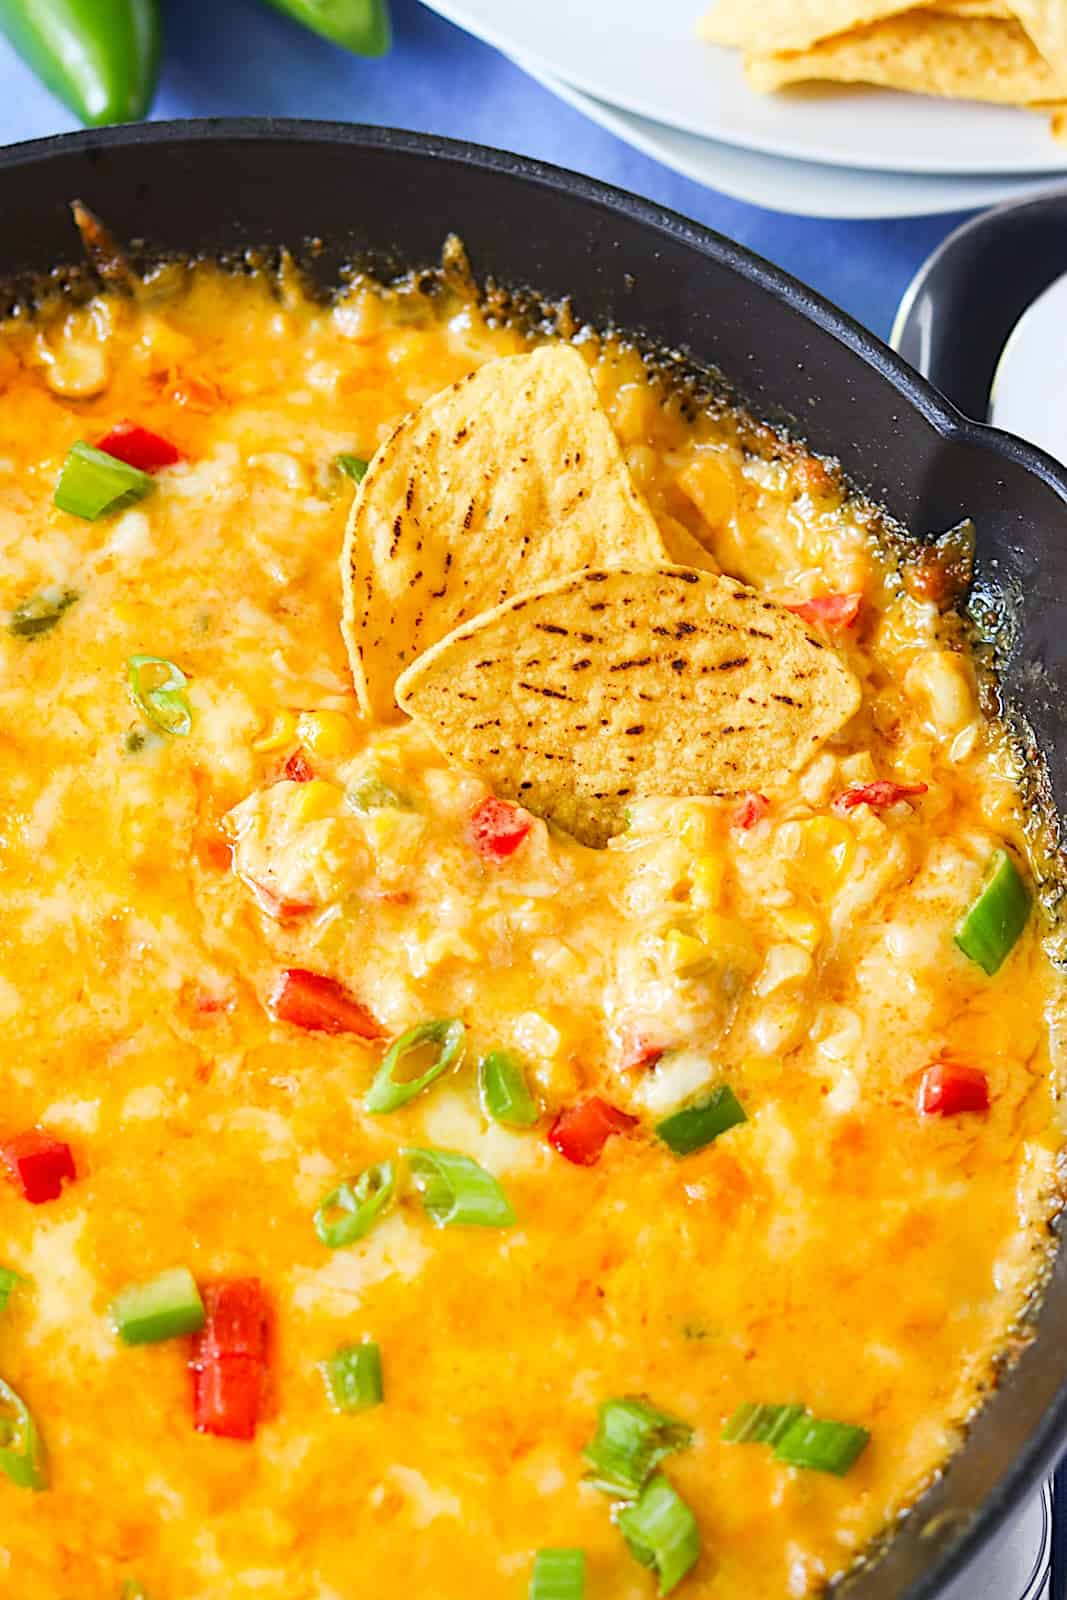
971, 8
610, 684
509, 478
1046, 23
924, 53
790, 24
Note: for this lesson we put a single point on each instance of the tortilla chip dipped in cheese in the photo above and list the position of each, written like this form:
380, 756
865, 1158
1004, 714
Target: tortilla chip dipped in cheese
509, 478
609, 685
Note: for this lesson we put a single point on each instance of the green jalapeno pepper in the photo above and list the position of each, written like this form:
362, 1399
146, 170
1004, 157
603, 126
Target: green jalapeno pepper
100, 57
359, 25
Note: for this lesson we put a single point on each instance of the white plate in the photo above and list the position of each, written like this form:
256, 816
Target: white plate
806, 188
644, 57
1030, 391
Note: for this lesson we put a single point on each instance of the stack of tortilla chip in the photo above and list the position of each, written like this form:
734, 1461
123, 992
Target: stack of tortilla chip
1012, 52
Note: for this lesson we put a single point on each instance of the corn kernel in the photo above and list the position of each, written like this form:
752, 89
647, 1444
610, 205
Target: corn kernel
326, 733
799, 925
688, 955
826, 851
692, 823
316, 800
727, 939
279, 733
708, 481
706, 875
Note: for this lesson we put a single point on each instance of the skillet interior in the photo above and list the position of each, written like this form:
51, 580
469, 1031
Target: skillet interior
388, 200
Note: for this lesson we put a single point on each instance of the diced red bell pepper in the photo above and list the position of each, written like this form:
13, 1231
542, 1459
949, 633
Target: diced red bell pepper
320, 1004
581, 1132
229, 1359
639, 1050
227, 1394
139, 447
835, 612
235, 1324
38, 1164
498, 828
750, 809
948, 1088
273, 905
298, 768
877, 795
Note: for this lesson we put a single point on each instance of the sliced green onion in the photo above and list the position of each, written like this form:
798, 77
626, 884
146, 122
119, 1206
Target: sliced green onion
821, 1446
93, 482
457, 1192
385, 1093
351, 1210
156, 686
371, 794
505, 1092
661, 1532
989, 928
132, 1590
9, 1282
21, 1454
694, 1126
558, 1575
40, 612
353, 1377
755, 1424
631, 1440
353, 467
164, 1308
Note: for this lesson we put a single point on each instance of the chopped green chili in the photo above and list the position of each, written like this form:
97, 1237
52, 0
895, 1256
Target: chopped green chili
456, 1191
164, 1308
156, 686
9, 1282
350, 1211
353, 1377
558, 1575
631, 1440
21, 1454
990, 926
371, 794
40, 612
93, 482
755, 1424
696, 1125
821, 1446
353, 467
505, 1093
661, 1532
386, 1093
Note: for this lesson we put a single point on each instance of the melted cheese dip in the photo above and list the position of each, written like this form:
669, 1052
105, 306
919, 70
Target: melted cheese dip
839, 1249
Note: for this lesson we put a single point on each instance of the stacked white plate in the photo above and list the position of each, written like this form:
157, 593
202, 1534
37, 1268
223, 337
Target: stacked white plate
638, 68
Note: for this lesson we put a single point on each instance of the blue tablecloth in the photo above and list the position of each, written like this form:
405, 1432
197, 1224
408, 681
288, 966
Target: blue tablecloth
238, 57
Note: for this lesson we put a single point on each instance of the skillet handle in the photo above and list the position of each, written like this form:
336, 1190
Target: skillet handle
1057, 1589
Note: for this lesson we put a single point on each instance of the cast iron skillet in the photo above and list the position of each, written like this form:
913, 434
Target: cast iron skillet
391, 198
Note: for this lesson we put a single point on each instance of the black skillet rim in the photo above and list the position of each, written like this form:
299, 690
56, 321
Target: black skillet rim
945, 419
